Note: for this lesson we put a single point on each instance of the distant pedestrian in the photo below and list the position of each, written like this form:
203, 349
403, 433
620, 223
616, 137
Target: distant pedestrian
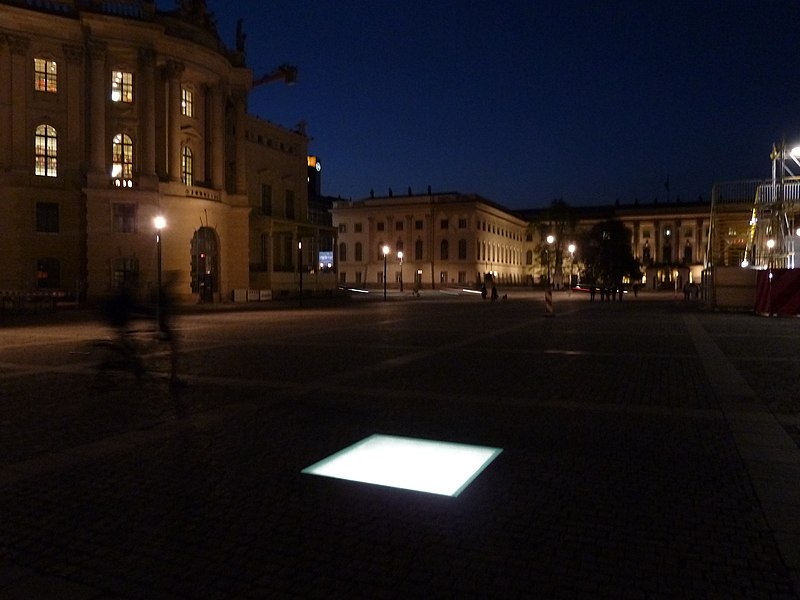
494, 292
483, 291
592, 291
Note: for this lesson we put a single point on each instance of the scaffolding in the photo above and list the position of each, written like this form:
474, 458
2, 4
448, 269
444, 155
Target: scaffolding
753, 222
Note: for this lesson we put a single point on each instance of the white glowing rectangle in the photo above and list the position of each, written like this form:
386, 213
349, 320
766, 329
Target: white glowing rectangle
445, 468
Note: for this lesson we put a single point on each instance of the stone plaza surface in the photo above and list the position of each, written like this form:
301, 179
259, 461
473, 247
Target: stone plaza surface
650, 450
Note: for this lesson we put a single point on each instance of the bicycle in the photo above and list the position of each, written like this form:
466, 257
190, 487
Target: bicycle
133, 352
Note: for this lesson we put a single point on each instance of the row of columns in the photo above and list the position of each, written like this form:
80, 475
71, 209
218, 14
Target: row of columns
91, 106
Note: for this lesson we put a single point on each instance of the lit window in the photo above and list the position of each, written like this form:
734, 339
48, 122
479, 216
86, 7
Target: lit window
187, 166
187, 103
46, 151
122, 157
121, 86
45, 75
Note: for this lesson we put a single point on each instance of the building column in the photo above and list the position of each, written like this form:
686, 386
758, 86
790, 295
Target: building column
97, 107
19, 93
5, 98
240, 106
217, 136
75, 106
174, 70
147, 115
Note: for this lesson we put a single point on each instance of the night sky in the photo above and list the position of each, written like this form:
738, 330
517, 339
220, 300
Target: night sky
524, 101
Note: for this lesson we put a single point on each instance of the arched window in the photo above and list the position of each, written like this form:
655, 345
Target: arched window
122, 157
187, 166
343, 252
359, 252
46, 151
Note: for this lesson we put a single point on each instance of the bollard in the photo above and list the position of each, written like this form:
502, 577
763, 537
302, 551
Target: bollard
548, 303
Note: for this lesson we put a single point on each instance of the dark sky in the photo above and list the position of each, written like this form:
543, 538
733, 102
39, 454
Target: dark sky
524, 101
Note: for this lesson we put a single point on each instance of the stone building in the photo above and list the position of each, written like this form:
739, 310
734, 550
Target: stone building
447, 239
115, 112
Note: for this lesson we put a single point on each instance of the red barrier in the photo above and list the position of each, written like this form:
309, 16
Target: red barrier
779, 294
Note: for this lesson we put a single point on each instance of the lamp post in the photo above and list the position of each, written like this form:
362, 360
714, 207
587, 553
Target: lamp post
300, 267
385, 254
159, 223
400, 256
550, 240
571, 249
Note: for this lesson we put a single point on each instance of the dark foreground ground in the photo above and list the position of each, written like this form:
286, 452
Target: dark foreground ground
650, 450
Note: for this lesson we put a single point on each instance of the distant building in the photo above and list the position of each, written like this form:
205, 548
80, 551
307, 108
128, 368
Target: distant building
116, 112
459, 240
447, 239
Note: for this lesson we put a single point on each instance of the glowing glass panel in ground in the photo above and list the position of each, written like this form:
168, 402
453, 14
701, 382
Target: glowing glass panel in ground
413, 464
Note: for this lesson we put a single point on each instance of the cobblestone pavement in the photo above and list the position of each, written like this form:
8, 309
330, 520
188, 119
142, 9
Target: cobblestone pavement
650, 450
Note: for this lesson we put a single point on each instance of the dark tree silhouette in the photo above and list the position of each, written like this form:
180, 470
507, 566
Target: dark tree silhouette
605, 251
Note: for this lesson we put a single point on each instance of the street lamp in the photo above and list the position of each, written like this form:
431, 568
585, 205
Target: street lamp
300, 267
385, 254
400, 256
550, 240
571, 249
159, 223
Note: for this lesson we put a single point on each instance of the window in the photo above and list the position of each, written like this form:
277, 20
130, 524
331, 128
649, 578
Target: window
357, 227
462, 223
187, 102
342, 227
646, 253
266, 199
124, 217
529, 257
418, 224
398, 226
47, 217
687, 253
45, 75
48, 273
124, 270
359, 252
121, 86
121, 157
187, 166
444, 248
646, 234
381, 226
343, 252
444, 224
462, 277
462, 249
46, 151
418, 250
289, 201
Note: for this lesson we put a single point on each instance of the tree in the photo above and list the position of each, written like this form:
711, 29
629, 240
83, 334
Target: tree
558, 220
606, 253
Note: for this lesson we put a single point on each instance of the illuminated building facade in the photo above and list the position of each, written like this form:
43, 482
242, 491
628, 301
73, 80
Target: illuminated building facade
113, 113
447, 239
456, 240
